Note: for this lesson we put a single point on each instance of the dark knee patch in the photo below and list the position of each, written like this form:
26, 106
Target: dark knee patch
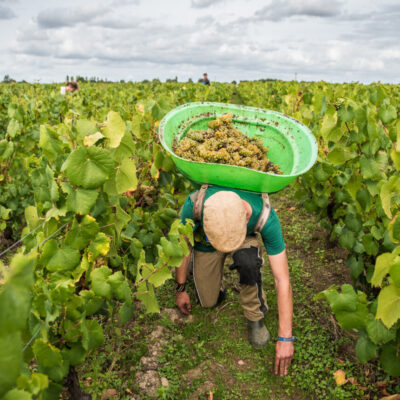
248, 263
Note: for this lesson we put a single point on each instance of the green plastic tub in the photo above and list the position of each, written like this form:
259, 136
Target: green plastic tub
291, 145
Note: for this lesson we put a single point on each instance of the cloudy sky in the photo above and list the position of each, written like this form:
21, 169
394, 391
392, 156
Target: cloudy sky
335, 40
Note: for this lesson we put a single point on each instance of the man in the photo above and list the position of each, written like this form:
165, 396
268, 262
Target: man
225, 222
205, 80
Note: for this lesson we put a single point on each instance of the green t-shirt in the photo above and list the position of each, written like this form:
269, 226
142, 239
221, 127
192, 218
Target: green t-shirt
271, 233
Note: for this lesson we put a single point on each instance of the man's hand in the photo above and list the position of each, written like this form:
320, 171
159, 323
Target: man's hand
283, 357
183, 302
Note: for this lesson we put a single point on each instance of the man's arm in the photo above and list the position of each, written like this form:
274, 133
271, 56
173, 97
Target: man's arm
284, 350
181, 272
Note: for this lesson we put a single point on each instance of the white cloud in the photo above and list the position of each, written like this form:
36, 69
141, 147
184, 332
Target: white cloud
205, 3
60, 17
125, 39
280, 9
6, 12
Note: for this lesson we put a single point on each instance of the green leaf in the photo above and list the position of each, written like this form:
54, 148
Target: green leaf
382, 265
345, 301
75, 354
122, 219
347, 240
15, 294
114, 129
160, 276
389, 305
125, 313
93, 336
369, 168
356, 266
81, 201
378, 332
328, 123
49, 143
35, 384
137, 121
394, 229
387, 114
146, 295
85, 128
394, 271
354, 185
346, 114
81, 234
364, 199
31, 217
120, 287
321, 172
377, 95
353, 222
17, 394
365, 349
395, 155
56, 258
88, 167
338, 156
353, 320
6, 149
93, 303
386, 193
47, 355
10, 360
100, 285
100, 246
370, 245
126, 148
13, 128
125, 177
390, 359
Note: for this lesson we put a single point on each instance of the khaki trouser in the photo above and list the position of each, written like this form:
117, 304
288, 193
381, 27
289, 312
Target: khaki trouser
207, 274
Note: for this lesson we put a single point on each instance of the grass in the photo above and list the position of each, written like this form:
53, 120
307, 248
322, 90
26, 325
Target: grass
212, 352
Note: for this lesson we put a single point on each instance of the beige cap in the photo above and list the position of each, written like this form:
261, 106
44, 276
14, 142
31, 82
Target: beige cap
224, 221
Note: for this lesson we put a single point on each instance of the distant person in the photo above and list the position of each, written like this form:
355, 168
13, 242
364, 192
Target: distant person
71, 87
205, 80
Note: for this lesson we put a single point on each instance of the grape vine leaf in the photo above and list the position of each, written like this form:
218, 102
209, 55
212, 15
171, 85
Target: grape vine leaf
365, 349
389, 305
10, 360
125, 177
114, 129
81, 201
390, 359
88, 167
382, 265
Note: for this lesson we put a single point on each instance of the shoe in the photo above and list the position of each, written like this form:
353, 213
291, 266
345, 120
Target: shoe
258, 333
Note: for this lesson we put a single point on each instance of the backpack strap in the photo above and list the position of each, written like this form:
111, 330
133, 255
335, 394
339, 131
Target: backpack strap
198, 201
264, 215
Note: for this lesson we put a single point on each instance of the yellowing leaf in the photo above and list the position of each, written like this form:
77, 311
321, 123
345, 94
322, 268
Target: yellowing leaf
90, 140
340, 377
114, 129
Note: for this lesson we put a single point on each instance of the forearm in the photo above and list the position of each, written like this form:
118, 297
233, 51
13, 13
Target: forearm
280, 270
285, 308
181, 272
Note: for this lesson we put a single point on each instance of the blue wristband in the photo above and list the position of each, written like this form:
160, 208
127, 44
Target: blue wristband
287, 339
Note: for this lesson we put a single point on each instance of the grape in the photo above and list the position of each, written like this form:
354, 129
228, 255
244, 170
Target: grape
223, 143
